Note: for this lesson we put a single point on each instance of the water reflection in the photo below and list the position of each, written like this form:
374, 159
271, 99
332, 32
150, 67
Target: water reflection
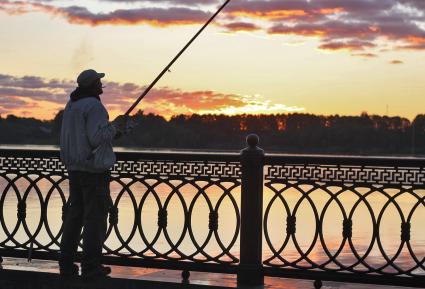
196, 200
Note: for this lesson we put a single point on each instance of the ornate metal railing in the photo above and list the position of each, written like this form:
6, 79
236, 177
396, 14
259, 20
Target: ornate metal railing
324, 217
140, 182
374, 206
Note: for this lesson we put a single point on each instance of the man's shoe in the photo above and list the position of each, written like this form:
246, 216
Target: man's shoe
68, 270
96, 273
106, 270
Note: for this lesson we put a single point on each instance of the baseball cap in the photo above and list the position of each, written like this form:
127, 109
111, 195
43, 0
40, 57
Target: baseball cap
88, 77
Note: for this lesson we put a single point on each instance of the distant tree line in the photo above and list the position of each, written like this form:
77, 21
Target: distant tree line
288, 133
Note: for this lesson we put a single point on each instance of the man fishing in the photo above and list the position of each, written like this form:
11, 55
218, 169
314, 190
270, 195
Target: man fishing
86, 151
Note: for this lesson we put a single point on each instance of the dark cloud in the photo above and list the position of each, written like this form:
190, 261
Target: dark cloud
33, 82
34, 94
34, 88
153, 16
170, 2
396, 61
81, 15
337, 23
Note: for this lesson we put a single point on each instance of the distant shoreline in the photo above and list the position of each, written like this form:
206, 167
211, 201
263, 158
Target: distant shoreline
296, 133
170, 150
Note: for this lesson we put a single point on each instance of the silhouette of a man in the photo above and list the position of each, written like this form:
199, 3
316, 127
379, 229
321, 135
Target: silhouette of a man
86, 151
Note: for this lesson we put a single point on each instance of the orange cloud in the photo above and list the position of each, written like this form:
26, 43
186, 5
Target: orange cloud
327, 11
241, 26
270, 15
350, 45
367, 55
396, 61
38, 96
415, 39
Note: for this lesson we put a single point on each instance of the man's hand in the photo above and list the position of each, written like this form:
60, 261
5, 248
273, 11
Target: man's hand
120, 124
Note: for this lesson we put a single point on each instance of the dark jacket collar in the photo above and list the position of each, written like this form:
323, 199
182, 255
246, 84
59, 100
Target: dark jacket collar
80, 93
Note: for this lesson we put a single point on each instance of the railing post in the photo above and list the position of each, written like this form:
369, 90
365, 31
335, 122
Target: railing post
252, 160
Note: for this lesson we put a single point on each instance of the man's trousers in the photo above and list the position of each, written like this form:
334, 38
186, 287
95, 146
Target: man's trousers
89, 202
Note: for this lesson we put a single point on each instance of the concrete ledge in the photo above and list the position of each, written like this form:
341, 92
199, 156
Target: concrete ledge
16, 279
43, 274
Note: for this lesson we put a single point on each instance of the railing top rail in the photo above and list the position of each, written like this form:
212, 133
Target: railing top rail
270, 159
26, 153
345, 160
132, 156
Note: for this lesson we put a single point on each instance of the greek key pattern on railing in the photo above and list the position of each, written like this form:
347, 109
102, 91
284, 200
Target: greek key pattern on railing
219, 170
380, 225
147, 197
19, 164
347, 174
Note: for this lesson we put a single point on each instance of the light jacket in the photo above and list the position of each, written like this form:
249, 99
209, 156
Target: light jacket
85, 127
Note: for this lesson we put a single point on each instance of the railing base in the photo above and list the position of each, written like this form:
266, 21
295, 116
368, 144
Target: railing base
402, 281
250, 276
318, 284
37, 280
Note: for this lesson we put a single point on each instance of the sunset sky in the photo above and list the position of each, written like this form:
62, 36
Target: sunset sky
278, 56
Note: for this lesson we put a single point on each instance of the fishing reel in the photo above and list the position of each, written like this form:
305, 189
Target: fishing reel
129, 126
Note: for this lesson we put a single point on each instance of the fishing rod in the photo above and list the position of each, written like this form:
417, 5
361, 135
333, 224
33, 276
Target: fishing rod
167, 68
